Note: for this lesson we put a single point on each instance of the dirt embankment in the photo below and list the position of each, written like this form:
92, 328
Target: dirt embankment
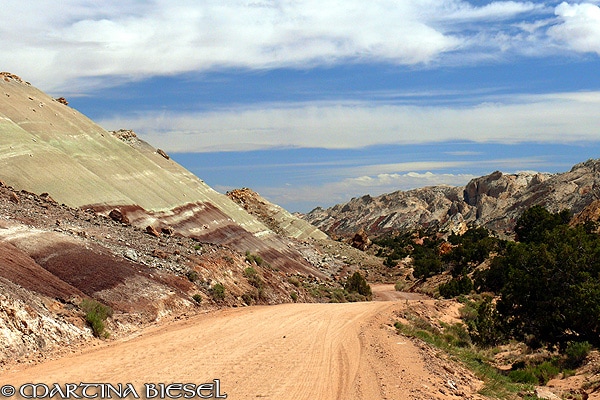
53, 256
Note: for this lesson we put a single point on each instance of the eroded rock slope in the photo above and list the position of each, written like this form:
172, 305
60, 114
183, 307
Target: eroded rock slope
275, 217
48, 147
494, 201
52, 257
89, 214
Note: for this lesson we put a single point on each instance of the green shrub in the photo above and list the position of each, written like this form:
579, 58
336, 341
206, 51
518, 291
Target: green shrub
254, 296
390, 262
424, 336
536, 222
423, 324
317, 291
261, 294
568, 373
197, 298
427, 265
401, 285
523, 376
483, 322
95, 315
551, 291
218, 292
254, 258
253, 278
545, 371
247, 298
469, 250
294, 281
456, 287
192, 275
358, 284
354, 297
576, 353
294, 296
538, 374
468, 312
96, 323
457, 335
338, 296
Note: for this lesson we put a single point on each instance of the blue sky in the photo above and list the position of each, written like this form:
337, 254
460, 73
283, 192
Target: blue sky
311, 102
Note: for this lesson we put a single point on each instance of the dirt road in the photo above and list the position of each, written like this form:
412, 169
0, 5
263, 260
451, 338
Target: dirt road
290, 351
386, 292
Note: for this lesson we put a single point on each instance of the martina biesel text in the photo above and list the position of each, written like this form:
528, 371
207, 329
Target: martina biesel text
83, 390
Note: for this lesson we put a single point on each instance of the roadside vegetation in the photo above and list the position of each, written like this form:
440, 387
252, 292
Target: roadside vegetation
218, 292
542, 290
96, 314
472, 343
354, 289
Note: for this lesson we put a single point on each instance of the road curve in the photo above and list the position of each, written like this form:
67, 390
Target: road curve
290, 351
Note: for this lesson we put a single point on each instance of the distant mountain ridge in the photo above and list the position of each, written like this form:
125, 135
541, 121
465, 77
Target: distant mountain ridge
494, 201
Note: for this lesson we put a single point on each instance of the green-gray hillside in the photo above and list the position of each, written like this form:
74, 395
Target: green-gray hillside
48, 147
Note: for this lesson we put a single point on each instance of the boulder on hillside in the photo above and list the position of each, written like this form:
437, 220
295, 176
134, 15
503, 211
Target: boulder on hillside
118, 216
360, 240
150, 230
162, 153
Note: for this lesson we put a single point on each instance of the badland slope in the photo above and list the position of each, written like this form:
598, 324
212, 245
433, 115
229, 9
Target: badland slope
48, 147
92, 215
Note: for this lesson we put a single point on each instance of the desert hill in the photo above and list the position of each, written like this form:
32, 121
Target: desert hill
52, 257
494, 201
90, 217
87, 214
48, 147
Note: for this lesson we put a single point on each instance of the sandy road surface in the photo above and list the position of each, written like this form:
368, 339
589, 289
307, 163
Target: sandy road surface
386, 292
290, 351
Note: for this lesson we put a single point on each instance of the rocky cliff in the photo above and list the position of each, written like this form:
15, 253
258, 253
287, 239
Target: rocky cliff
276, 218
494, 201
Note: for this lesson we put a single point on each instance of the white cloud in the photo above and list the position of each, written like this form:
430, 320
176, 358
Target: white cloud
405, 170
497, 10
579, 27
463, 153
65, 44
558, 118
384, 172
383, 183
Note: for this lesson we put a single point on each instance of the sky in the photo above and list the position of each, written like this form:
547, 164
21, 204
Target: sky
311, 103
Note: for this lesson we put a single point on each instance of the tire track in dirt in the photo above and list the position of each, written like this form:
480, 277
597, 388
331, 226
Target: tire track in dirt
289, 351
